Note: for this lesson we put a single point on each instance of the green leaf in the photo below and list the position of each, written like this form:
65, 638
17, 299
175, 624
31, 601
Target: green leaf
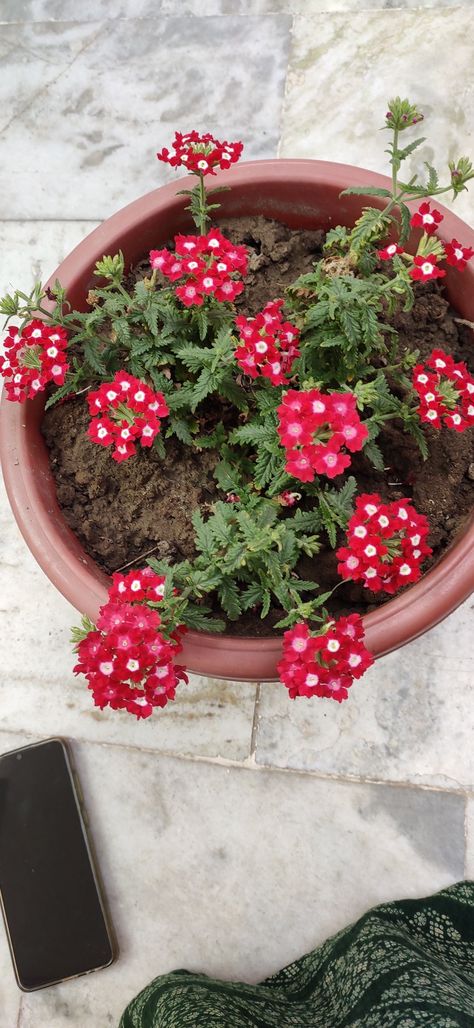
365, 191
229, 598
226, 477
373, 453
180, 428
92, 357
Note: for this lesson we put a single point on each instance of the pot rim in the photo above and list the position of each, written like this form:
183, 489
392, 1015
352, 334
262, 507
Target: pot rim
397, 622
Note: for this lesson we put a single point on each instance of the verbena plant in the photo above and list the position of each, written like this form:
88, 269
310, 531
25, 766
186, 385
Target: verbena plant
305, 383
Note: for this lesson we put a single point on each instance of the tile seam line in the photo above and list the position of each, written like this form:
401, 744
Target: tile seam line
256, 711
249, 764
51, 221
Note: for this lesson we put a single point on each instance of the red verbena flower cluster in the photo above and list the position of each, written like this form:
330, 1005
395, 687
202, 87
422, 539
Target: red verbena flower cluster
200, 154
269, 344
34, 356
313, 428
426, 218
124, 412
425, 265
206, 264
386, 544
127, 661
324, 664
457, 255
446, 392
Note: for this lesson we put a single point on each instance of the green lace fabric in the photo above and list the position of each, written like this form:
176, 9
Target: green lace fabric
403, 965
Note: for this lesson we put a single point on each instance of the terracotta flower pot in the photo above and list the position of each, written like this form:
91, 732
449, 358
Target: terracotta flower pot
303, 194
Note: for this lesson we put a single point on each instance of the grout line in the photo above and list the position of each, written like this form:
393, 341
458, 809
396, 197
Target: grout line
466, 837
249, 763
256, 711
18, 1023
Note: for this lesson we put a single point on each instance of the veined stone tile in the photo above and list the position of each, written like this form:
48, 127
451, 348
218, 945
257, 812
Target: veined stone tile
345, 67
68, 10
94, 130
406, 720
30, 251
237, 872
304, 7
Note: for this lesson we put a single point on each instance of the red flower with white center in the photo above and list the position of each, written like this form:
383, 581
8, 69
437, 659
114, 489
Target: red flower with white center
385, 544
314, 427
288, 499
208, 262
136, 586
200, 154
268, 344
389, 252
457, 255
445, 390
127, 660
124, 412
426, 218
324, 663
425, 268
34, 357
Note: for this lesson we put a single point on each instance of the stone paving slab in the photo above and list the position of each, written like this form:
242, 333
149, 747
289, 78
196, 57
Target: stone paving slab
343, 69
237, 872
97, 100
408, 720
68, 10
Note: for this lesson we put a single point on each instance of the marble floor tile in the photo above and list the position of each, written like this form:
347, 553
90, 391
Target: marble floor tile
108, 109
69, 10
30, 251
195, 861
344, 68
407, 720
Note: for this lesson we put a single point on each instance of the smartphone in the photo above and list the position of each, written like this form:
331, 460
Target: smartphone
52, 905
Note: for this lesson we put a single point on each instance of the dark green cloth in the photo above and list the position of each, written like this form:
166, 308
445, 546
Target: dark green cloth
403, 965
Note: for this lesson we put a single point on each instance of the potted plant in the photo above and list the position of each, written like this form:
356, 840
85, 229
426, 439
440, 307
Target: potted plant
282, 404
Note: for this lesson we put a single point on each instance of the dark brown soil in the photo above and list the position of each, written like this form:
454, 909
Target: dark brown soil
123, 513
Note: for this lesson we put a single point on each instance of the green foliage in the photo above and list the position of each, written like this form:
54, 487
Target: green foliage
247, 556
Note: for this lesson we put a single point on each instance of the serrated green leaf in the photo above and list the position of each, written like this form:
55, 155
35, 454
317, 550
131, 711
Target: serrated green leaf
229, 597
365, 191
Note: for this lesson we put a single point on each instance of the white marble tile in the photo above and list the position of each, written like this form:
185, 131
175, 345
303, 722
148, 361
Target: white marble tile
408, 720
198, 8
236, 872
30, 251
69, 10
95, 128
344, 67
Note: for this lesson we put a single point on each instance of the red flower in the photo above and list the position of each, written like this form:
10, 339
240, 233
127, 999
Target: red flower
386, 544
208, 262
200, 154
321, 424
324, 663
123, 412
457, 255
268, 344
426, 218
445, 390
389, 251
127, 660
33, 357
424, 268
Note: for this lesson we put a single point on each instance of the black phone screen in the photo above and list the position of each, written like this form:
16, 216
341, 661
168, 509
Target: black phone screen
51, 903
